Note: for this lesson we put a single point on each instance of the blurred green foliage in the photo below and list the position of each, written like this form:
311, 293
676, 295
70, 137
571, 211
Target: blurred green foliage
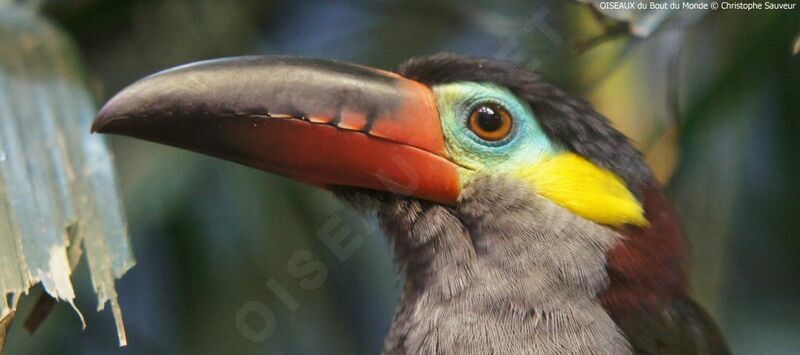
209, 235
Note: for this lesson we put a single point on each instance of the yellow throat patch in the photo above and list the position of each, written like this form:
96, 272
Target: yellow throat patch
584, 188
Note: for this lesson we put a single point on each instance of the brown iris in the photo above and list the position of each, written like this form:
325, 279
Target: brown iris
490, 122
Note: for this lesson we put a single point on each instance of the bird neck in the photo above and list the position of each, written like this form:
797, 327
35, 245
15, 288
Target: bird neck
504, 269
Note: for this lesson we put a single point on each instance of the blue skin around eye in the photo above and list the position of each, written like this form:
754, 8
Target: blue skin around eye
526, 144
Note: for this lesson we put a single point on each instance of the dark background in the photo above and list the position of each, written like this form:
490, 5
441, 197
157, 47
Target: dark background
712, 99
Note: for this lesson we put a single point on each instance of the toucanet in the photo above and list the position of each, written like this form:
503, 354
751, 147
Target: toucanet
523, 221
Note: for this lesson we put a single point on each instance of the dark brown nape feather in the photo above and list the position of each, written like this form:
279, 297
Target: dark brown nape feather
679, 327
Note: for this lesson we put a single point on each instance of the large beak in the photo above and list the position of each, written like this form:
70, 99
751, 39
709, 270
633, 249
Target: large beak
321, 122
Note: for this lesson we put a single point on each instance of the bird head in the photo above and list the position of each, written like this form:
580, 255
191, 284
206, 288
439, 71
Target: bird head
427, 132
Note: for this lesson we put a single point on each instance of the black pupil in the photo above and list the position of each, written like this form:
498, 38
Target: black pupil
488, 119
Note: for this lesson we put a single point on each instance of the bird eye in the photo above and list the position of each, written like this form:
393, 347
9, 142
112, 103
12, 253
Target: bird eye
490, 122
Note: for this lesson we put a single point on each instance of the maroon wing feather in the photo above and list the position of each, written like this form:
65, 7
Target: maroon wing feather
647, 292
